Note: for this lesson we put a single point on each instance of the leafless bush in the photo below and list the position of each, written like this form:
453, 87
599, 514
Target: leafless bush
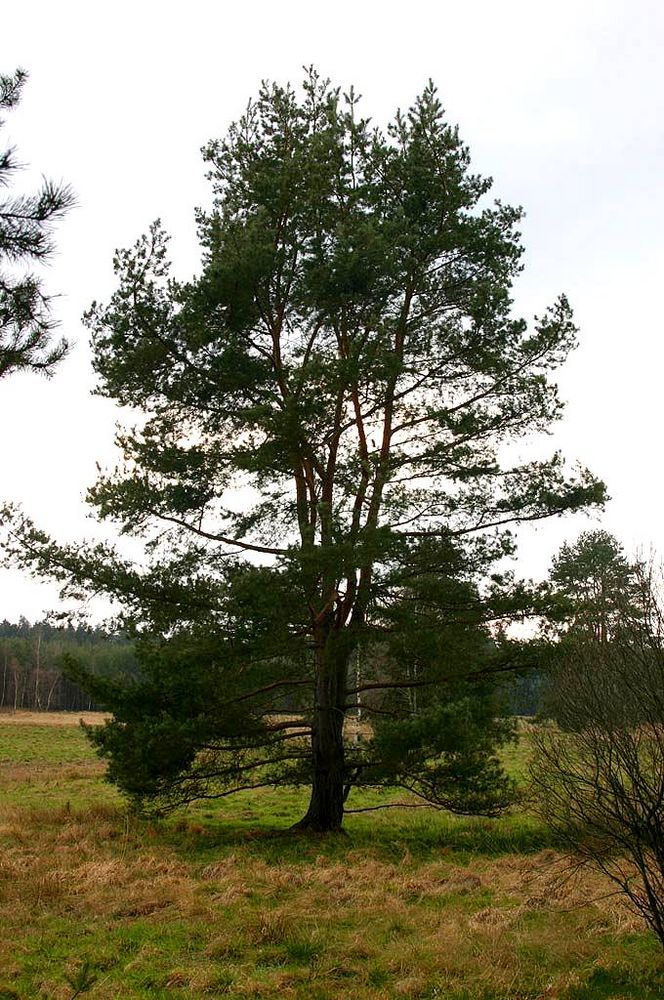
599, 767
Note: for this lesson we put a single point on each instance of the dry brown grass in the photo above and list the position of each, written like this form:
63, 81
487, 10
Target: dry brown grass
25, 718
419, 923
183, 911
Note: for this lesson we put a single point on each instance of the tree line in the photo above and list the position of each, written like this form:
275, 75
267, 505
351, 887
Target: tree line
33, 665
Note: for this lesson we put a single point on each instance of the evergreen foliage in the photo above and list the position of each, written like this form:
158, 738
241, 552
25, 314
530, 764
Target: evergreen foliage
26, 324
594, 587
318, 476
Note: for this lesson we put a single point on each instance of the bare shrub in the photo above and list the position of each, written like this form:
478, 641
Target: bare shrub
598, 766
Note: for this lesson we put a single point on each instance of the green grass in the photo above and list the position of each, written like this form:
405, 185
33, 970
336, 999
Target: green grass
51, 765
219, 901
43, 744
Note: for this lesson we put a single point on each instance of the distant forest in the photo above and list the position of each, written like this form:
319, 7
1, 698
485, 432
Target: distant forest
32, 658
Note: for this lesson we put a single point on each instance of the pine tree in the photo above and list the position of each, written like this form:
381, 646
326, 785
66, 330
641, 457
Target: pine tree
318, 473
594, 585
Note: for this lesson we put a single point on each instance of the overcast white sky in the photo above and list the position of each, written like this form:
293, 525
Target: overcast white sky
562, 103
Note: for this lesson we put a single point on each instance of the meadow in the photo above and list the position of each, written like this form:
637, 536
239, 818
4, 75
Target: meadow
219, 900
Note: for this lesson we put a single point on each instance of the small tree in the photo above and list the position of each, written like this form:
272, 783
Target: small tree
594, 587
599, 772
26, 221
346, 360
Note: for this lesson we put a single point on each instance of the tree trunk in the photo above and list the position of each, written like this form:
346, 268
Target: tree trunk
4, 681
37, 699
326, 806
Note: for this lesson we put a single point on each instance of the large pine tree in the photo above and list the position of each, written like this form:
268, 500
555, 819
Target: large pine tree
319, 472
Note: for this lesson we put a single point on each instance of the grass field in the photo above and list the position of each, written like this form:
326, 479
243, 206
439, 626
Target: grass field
215, 902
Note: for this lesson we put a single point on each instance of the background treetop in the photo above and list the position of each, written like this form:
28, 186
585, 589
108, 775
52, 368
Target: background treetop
596, 589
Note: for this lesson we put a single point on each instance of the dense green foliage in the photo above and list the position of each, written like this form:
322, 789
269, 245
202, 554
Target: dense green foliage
594, 587
592, 591
25, 240
318, 474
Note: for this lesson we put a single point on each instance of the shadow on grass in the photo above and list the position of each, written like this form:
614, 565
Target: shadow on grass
259, 826
618, 981
387, 836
